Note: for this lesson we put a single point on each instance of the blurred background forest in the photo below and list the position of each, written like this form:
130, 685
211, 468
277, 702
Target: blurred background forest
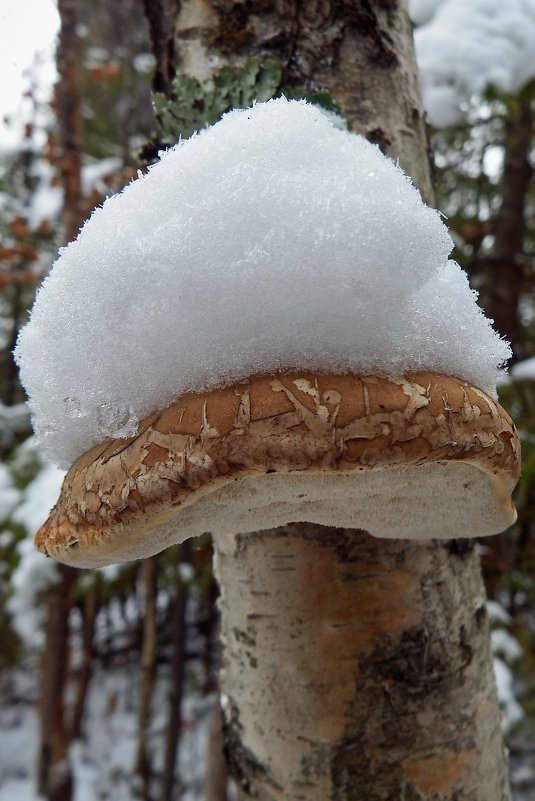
108, 677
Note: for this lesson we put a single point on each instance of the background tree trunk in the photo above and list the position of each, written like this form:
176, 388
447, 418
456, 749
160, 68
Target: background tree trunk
91, 606
176, 683
69, 118
54, 774
148, 671
215, 786
353, 668
508, 267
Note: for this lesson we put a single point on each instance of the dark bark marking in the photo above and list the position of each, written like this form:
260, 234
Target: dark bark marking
413, 664
244, 768
244, 637
379, 137
462, 548
160, 15
481, 616
365, 19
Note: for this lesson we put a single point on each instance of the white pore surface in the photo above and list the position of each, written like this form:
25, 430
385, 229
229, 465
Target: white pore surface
452, 499
271, 241
467, 46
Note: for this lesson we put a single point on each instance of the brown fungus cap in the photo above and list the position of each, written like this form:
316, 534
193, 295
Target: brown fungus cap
419, 456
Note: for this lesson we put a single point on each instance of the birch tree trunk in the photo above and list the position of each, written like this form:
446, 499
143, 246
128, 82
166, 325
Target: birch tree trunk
357, 669
354, 669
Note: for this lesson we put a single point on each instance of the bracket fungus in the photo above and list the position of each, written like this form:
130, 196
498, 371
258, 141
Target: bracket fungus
417, 456
266, 329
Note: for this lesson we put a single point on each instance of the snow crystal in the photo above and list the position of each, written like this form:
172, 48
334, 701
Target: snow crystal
465, 48
271, 241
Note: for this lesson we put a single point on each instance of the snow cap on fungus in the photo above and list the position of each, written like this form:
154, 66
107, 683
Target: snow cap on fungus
271, 241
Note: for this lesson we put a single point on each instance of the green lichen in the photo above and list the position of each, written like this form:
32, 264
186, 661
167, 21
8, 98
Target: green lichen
194, 104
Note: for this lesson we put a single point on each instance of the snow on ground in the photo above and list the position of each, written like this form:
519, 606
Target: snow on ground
29, 508
10, 496
39, 497
462, 48
102, 761
13, 420
271, 241
30, 579
512, 712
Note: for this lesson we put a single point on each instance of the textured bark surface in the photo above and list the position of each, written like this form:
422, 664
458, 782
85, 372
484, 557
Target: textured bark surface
129, 498
357, 669
360, 53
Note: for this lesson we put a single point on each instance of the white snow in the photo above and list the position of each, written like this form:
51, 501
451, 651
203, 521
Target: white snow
524, 370
34, 572
39, 497
421, 11
465, 47
9, 494
33, 575
271, 241
506, 651
46, 201
505, 645
512, 712
102, 761
15, 418
95, 171
497, 613
29, 29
